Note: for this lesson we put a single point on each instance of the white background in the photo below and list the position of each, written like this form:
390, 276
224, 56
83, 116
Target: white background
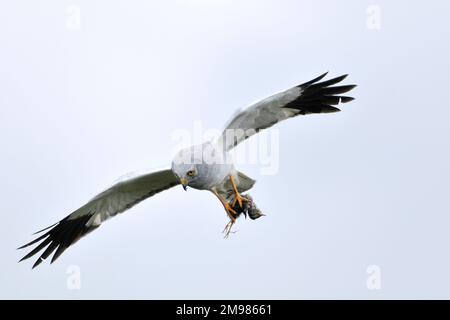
367, 186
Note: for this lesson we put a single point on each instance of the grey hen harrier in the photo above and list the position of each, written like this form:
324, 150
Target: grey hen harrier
203, 167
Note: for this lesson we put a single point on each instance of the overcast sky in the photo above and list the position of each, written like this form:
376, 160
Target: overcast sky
358, 208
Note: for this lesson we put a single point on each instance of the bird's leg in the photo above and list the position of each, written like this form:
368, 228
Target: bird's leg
229, 210
227, 229
237, 197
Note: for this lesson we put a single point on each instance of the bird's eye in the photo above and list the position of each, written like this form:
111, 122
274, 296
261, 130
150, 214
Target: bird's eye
191, 173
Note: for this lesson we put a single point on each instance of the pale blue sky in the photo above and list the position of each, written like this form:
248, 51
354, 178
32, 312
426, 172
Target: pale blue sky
367, 186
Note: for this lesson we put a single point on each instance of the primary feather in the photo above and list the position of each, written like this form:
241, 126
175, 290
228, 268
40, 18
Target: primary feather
310, 97
116, 199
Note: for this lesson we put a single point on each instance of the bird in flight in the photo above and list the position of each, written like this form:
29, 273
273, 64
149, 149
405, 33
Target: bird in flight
204, 167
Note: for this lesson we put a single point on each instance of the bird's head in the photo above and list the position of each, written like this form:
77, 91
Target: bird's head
185, 175
184, 167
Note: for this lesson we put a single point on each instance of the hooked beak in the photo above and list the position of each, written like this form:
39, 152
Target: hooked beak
184, 183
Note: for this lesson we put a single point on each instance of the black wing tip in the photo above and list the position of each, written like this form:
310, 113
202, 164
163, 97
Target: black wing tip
46, 228
332, 110
339, 78
346, 99
62, 235
350, 86
306, 84
323, 75
318, 96
315, 82
38, 262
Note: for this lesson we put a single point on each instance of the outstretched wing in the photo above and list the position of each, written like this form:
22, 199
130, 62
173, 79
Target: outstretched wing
118, 198
307, 98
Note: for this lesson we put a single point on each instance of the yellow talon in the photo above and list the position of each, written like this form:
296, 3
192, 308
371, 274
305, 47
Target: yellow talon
237, 197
